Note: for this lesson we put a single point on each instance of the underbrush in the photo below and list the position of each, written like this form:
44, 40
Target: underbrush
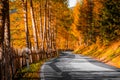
32, 73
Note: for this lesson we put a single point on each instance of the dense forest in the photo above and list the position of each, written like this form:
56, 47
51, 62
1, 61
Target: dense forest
42, 24
96, 27
90, 28
38, 23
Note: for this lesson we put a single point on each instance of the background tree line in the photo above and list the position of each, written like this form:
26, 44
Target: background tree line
42, 20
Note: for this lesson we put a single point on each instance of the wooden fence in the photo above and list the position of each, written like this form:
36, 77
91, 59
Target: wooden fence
15, 59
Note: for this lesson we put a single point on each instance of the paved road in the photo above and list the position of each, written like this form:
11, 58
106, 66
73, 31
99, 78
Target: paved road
69, 66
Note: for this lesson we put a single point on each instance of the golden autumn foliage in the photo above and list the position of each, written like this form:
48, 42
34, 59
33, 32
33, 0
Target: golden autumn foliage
17, 20
95, 23
81, 28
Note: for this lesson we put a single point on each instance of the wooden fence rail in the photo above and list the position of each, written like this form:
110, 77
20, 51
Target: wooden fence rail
15, 59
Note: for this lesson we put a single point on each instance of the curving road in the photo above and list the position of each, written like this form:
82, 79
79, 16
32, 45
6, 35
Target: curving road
70, 66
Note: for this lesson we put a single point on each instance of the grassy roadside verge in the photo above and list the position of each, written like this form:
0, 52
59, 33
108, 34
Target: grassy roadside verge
30, 74
109, 54
33, 73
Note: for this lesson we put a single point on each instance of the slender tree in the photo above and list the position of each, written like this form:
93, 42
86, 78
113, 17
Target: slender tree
2, 22
7, 54
48, 27
7, 25
45, 24
5, 39
34, 26
24, 4
41, 25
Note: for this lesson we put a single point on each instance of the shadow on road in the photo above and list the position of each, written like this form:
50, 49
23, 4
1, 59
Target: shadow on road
58, 72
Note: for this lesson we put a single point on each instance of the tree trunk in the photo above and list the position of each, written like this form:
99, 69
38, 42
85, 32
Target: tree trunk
7, 54
7, 26
48, 26
45, 24
34, 26
41, 28
4, 26
24, 4
2, 22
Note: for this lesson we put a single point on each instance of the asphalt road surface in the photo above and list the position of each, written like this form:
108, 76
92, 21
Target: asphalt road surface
70, 66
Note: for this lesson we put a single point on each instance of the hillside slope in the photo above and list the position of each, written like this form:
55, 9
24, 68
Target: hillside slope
109, 54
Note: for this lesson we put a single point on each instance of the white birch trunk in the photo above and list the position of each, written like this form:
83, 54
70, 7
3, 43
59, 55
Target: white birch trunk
34, 26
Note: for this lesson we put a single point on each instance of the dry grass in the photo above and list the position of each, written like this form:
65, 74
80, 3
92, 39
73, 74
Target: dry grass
32, 73
109, 54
